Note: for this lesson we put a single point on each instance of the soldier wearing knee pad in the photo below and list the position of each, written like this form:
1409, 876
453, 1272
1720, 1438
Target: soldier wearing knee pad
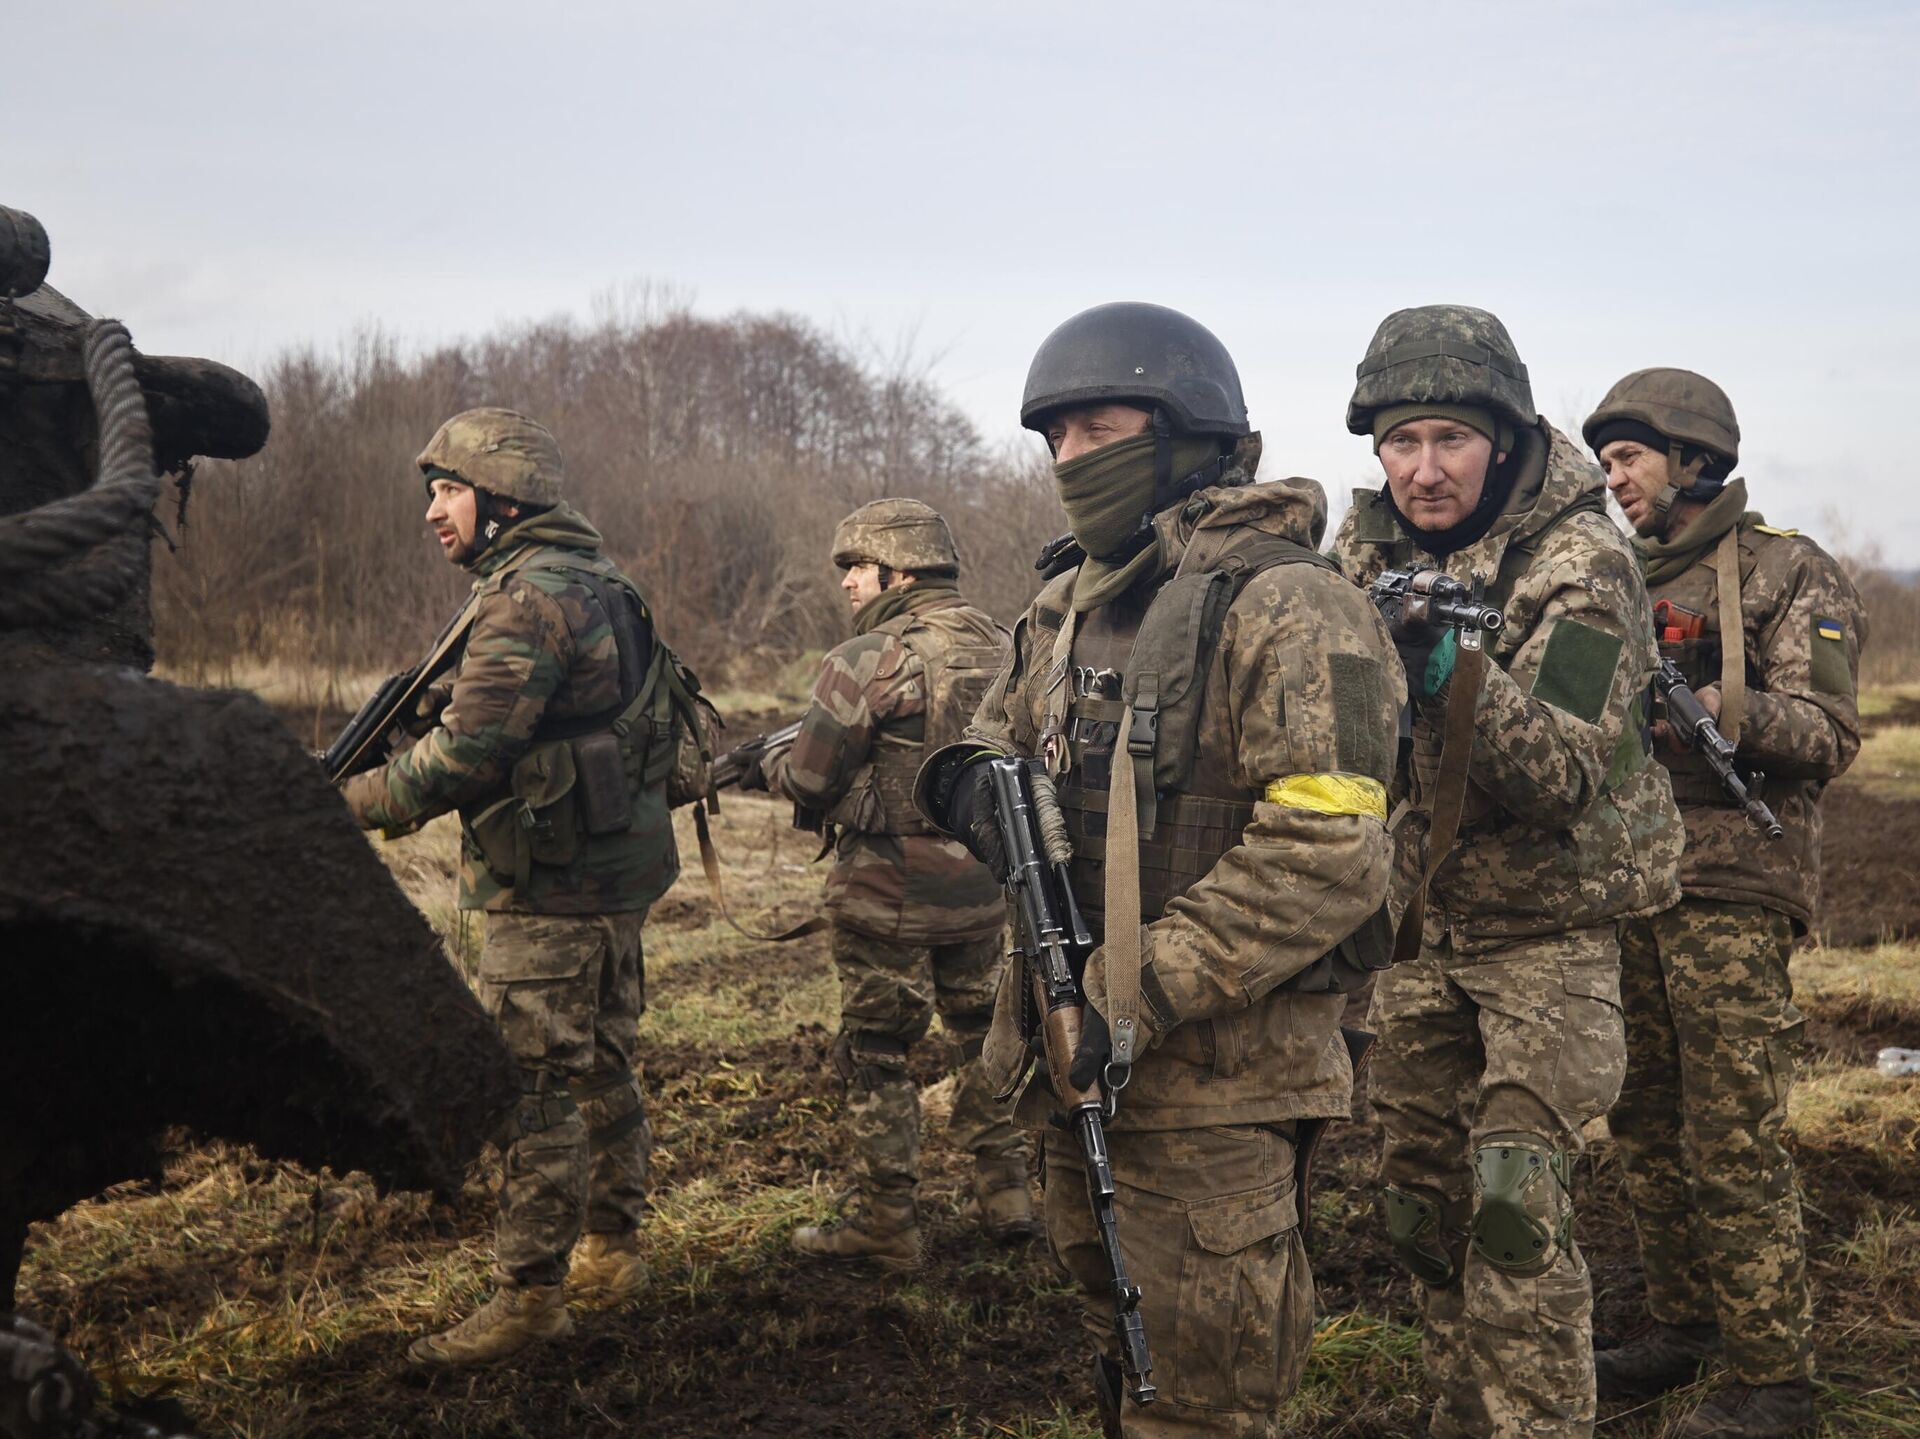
553, 745
1533, 821
916, 921
1768, 630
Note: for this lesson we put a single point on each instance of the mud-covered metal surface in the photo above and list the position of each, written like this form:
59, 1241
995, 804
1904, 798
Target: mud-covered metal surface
192, 932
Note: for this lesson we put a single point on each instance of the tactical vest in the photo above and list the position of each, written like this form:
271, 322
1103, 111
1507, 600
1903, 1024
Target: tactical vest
1143, 673
1375, 524
581, 776
1700, 661
961, 654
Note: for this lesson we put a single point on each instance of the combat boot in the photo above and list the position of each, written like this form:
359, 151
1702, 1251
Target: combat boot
516, 1316
1001, 1201
1753, 1411
876, 1227
1661, 1357
607, 1267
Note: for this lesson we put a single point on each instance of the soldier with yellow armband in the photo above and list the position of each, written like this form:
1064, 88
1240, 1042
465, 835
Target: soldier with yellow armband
1217, 708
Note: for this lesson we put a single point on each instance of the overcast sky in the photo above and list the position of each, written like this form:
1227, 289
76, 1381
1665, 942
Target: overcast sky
1727, 187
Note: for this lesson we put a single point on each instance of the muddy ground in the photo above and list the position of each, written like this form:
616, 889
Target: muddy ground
985, 1340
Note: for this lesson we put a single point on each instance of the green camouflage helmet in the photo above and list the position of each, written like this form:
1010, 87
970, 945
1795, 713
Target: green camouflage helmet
901, 534
1684, 407
500, 451
1441, 355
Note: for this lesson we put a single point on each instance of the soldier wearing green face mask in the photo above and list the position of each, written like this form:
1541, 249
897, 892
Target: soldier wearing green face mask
552, 741
1768, 631
1217, 708
1534, 821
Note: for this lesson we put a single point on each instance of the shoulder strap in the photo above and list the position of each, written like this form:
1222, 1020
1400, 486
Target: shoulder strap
1733, 635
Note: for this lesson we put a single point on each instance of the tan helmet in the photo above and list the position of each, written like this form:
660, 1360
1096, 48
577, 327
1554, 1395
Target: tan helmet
900, 534
1677, 404
500, 451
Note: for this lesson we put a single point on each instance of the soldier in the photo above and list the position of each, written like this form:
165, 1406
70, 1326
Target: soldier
916, 920
545, 742
1540, 822
1768, 631
1192, 613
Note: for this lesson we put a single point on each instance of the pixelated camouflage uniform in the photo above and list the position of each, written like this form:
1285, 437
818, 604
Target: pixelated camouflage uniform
1712, 1031
916, 920
561, 967
1508, 1025
1245, 1042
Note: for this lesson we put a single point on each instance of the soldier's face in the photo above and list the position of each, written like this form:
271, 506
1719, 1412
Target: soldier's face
453, 517
1636, 475
861, 583
1436, 470
1077, 432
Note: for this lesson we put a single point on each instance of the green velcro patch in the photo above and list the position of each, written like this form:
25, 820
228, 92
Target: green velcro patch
1576, 673
1359, 699
1832, 674
1372, 520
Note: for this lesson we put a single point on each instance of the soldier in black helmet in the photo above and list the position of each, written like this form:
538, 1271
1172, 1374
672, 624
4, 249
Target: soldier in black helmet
1218, 708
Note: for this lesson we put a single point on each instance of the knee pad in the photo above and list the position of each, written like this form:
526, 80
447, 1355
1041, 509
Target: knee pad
1522, 1210
868, 1060
1417, 1229
612, 1104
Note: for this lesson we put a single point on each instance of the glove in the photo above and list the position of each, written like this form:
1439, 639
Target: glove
974, 820
1090, 1056
754, 777
1426, 653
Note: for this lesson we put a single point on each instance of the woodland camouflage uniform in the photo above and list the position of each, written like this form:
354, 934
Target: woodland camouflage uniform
1504, 1037
1711, 1025
1267, 852
916, 920
560, 969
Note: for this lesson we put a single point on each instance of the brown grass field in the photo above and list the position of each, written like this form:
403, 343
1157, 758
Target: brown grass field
260, 1299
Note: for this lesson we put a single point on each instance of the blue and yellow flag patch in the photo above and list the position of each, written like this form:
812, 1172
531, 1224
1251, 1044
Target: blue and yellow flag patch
1828, 629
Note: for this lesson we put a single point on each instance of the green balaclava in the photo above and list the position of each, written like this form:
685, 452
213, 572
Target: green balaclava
1107, 495
904, 599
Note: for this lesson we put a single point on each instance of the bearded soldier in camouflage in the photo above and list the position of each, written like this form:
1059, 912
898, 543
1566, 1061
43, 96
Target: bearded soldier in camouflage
1191, 645
916, 919
1500, 1032
567, 843
1768, 632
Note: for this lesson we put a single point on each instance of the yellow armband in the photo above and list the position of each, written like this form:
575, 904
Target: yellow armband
1330, 794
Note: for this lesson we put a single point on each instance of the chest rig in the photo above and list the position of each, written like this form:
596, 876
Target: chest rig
1717, 655
1126, 686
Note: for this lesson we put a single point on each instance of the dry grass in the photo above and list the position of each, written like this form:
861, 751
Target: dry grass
1889, 762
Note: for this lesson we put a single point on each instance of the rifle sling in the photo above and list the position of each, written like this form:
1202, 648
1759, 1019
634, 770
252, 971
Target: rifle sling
1449, 793
1733, 637
710, 863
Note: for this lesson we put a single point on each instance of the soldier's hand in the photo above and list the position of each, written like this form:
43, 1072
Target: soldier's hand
1090, 1056
1418, 643
972, 817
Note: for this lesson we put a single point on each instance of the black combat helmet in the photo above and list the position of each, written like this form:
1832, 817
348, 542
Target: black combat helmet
1137, 354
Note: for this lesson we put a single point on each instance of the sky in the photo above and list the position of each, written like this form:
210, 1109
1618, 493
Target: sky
1733, 188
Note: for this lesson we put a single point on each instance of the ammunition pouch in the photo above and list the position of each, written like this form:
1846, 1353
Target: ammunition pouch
538, 820
1522, 1210
1426, 1239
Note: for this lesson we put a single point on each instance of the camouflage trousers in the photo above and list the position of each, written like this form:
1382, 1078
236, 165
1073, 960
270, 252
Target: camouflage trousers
1210, 1232
1711, 1039
566, 991
1524, 1044
889, 993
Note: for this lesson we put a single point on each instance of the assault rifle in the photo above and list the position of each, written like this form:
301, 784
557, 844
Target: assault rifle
730, 768
1052, 939
1435, 597
1690, 720
379, 723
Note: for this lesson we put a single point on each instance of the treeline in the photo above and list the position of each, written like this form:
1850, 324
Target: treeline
715, 455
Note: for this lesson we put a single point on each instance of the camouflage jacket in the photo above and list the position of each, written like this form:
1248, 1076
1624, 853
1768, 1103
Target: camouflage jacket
860, 742
1803, 625
1568, 823
1300, 687
541, 652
